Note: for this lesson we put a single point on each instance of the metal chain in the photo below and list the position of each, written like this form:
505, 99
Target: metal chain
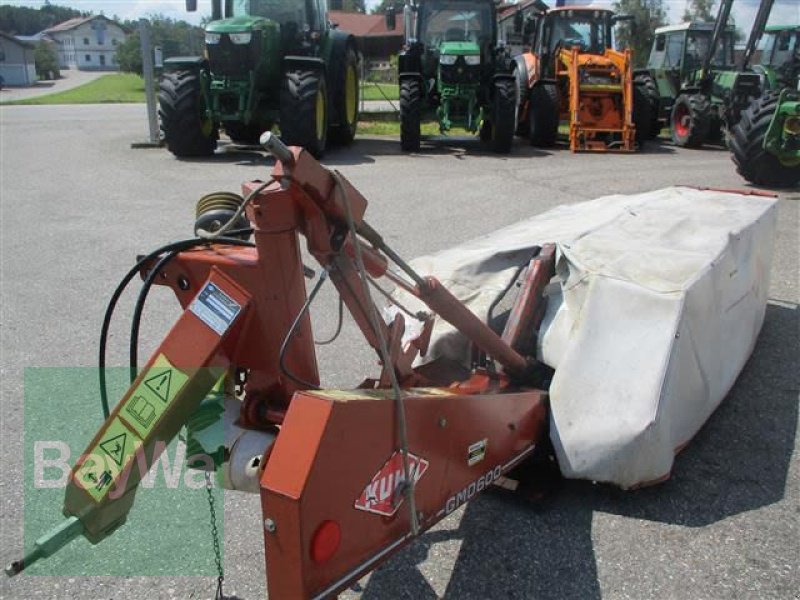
215, 537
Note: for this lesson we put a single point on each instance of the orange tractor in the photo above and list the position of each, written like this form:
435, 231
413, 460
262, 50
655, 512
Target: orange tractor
572, 74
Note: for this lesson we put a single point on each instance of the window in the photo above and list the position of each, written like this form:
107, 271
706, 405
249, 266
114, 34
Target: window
85, 41
114, 42
661, 43
87, 58
2, 53
102, 60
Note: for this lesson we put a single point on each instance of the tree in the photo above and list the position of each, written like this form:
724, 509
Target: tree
381, 7
699, 10
357, 6
176, 38
638, 34
21, 20
45, 59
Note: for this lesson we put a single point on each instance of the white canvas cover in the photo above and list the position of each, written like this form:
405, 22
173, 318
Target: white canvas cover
657, 303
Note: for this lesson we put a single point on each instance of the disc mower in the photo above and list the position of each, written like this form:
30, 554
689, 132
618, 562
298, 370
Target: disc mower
428, 439
572, 74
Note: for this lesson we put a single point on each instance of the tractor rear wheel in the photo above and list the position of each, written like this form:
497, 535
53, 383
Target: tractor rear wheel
304, 110
690, 121
641, 116
504, 109
410, 114
188, 131
648, 86
543, 115
521, 89
753, 162
347, 102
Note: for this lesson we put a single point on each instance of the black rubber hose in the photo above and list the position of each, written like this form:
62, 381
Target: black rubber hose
112, 303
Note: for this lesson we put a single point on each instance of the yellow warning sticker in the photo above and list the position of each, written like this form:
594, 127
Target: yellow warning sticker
156, 390
107, 459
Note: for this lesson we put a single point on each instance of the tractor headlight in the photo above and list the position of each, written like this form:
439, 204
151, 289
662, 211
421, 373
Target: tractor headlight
473, 60
213, 38
240, 39
448, 59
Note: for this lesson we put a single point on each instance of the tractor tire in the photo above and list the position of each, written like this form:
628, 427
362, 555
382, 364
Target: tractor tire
410, 114
641, 116
648, 86
521, 90
187, 132
304, 110
504, 116
347, 103
752, 161
246, 135
543, 115
690, 120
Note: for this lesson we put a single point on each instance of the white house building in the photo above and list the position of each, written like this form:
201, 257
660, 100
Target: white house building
16, 61
88, 43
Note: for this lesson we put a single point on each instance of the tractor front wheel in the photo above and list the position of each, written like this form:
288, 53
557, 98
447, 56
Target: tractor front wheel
690, 121
648, 86
543, 115
410, 114
753, 162
304, 110
504, 109
188, 131
641, 116
347, 102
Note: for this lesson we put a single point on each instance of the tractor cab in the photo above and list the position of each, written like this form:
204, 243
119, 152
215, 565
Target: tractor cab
679, 51
780, 55
588, 29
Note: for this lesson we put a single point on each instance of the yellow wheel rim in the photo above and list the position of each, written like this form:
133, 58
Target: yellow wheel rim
351, 93
790, 162
206, 127
320, 113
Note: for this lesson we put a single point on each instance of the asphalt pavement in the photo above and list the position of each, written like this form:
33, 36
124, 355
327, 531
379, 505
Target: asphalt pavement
77, 204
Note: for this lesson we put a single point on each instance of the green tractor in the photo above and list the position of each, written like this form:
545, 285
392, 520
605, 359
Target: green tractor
453, 68
266, 62
693, 83
765, 143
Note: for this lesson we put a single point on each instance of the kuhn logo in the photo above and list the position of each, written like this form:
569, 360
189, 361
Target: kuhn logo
384, 493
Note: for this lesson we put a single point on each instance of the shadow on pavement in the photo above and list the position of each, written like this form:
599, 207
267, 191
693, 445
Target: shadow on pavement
738, 462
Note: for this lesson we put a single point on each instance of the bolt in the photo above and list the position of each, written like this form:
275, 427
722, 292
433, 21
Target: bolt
270, 525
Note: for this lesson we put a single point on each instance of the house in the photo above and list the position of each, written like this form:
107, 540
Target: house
16, 61
88, 43
375, 41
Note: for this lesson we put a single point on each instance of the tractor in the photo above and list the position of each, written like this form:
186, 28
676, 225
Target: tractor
692, 81
573, 74
266, 62
453, 67
765, 143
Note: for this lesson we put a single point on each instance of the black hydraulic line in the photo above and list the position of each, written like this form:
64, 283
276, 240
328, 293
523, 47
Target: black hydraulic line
112, 303
323, 276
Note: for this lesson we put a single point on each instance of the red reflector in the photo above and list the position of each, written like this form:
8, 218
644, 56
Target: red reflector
325, 541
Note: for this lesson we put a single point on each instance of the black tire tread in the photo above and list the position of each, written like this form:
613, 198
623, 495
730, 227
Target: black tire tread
410, 114
700, 120
179, 106
543, 115
298, 110
641, 116
752, 161
648, 85
504, 108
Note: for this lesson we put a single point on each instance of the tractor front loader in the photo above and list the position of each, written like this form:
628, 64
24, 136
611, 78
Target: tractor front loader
266, 62
572, 74
346, 477
453, 68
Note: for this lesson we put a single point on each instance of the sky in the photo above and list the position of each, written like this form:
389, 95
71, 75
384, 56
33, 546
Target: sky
783, 12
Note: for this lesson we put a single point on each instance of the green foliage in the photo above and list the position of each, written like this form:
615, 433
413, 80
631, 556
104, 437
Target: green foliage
699, 10
45, 58
176, 38
21, 20
384, 4
638, 35
113, 88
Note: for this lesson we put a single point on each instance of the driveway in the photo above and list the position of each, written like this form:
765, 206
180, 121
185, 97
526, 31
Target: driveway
70, 78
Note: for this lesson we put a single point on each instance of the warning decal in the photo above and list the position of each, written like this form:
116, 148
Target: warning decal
384, 494
152, 397
107, 459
